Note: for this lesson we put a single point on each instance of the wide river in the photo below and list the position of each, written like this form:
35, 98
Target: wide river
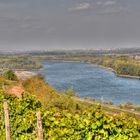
88, 80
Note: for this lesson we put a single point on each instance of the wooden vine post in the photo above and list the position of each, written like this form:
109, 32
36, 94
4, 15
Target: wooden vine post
7, 124
39, 126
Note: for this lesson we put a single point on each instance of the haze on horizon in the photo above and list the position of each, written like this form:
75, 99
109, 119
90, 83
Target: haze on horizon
69, 24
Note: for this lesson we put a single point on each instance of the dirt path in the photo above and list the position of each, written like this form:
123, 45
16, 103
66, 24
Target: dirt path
16, 90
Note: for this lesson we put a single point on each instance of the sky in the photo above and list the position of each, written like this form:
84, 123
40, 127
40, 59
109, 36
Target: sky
69, 24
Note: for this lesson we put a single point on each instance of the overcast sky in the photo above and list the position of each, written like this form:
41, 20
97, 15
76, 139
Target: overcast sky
50, 24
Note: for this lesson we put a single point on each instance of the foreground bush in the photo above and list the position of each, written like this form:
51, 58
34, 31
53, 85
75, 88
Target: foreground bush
63, 125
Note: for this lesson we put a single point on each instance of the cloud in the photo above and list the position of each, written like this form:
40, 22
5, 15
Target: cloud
80, 6
49, 23
106, 3
112, 10
110, 7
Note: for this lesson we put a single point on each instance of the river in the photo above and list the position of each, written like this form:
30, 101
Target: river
89, 80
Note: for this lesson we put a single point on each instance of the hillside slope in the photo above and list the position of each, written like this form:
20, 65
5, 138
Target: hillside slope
63, 117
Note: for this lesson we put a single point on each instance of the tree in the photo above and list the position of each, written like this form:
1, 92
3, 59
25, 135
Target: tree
10, 75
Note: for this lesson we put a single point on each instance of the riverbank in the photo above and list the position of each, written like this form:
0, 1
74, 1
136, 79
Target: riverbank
119, 75
128, 76
24, 74
111, 109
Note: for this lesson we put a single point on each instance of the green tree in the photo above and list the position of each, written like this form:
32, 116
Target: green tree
10, 75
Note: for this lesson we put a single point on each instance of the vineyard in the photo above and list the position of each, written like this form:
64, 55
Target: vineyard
62, 117
62, 124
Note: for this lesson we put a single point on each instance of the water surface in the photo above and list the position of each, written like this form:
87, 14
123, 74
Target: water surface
88, 80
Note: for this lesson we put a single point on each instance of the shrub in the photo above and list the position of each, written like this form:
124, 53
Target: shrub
70, 92
10, 75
